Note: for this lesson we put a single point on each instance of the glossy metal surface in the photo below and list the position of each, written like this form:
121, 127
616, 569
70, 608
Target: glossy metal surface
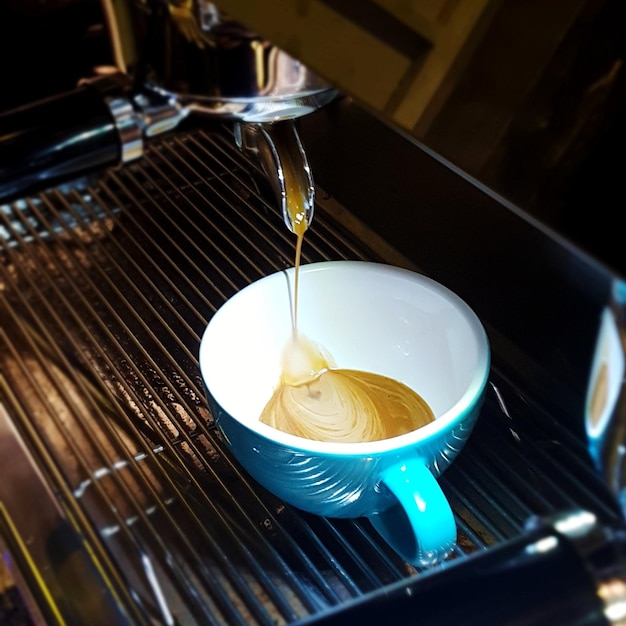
43, 548
210, 63
605, 410
192, 54
56, 140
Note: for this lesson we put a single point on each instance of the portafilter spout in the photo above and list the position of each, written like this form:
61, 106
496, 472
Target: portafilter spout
279, 150
172, 60
217, 67
214, 66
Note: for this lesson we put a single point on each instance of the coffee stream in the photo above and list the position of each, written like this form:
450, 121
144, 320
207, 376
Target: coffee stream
315, 399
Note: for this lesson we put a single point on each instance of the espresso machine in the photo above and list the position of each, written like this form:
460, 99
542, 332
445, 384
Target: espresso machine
169, 61
148, 186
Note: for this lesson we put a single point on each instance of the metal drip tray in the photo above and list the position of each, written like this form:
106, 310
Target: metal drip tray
134, 499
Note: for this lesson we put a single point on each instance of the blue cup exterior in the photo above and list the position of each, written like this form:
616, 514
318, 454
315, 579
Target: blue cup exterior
354, 485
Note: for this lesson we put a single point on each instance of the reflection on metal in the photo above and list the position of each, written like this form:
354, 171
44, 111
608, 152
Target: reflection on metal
613, 594
209, 63
605, 406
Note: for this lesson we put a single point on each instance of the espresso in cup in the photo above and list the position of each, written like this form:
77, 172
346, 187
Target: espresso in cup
316, 400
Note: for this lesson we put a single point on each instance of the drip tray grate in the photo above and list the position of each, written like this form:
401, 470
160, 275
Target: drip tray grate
107, 288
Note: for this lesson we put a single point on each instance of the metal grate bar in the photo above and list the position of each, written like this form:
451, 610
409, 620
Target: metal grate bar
260, 572
545, 455
326, 245
75, 448
180, 161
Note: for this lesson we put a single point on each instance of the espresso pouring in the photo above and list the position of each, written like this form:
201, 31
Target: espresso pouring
317, 400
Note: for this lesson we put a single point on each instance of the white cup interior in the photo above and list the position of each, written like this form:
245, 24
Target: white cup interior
368, 316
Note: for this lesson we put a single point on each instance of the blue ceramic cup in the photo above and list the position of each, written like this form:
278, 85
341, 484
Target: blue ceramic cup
371, 317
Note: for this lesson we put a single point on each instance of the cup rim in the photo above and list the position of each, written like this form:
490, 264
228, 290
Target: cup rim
447, 420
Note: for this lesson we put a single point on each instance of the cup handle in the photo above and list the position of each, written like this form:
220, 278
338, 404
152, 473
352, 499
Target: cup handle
421, 527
